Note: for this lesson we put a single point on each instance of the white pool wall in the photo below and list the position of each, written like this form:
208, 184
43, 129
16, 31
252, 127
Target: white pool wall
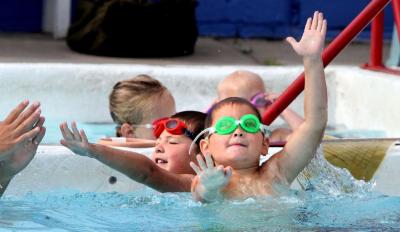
56, 167
358, 99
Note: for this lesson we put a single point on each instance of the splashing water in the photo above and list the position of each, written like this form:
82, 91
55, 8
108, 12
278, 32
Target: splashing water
321, 176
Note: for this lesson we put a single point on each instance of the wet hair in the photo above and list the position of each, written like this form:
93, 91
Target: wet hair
194, 120
230, 101
131, 100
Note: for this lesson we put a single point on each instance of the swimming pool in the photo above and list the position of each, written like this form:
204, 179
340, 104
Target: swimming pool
60, 191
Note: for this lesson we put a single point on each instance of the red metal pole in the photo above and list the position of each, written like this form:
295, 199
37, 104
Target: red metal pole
376, 41
340, 42
396, 13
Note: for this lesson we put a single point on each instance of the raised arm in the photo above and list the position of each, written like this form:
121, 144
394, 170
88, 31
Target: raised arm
127, 142
304, 141
136, 166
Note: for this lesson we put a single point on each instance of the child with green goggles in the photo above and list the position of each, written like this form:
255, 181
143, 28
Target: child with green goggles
231, 165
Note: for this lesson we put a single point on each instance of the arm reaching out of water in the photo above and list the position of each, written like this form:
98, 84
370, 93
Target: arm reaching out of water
303, 143
20, 135
136, 166
210, 180
127, 142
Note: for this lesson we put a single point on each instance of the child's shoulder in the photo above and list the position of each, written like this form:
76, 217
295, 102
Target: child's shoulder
272, 168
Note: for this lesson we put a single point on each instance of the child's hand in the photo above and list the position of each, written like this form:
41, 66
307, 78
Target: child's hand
23, 152
212, 179
271, 97
74, 140
312, 41
19, 128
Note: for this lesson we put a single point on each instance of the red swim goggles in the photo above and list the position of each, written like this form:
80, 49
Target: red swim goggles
173, 126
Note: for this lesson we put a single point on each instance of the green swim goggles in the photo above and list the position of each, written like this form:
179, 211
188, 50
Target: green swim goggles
227, 125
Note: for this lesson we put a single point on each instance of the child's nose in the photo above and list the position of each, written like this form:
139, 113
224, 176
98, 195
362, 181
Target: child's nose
159, 148
238, 132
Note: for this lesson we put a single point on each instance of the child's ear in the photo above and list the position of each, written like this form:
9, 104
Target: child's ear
265, 146
127, 131
204, 146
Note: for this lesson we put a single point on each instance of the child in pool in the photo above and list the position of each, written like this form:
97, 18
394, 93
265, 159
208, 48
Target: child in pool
168, 169
134, 104
250, 86
236, 137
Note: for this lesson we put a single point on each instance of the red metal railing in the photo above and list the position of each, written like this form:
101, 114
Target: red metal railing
376, 51
396, 13
333, 49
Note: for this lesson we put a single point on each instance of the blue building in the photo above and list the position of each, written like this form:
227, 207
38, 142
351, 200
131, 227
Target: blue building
219, 18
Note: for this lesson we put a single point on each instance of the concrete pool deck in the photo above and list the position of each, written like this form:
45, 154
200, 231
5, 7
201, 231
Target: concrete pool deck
42, 48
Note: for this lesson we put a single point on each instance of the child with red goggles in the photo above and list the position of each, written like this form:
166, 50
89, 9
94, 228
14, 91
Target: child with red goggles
171, 125
166, 170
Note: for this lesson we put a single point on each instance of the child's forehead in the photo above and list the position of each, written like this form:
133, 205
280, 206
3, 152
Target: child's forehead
165, 135
235, 110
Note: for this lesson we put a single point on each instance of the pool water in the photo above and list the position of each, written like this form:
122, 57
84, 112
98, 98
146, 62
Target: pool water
332, 201
150, 211
357, 133
94, 131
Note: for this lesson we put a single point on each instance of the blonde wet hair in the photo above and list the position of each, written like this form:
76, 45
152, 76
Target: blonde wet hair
131, 101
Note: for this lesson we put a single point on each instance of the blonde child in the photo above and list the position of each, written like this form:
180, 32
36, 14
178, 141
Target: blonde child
168, 169
236, 138
134, 104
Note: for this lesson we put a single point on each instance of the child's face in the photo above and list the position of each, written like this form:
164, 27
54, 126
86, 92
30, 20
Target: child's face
172, 153
239, 149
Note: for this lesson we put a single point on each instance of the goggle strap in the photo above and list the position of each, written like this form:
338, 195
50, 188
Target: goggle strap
148, 126
265, 129
189, 134
210, 130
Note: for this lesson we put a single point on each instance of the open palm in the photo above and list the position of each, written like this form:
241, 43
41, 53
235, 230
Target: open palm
312, 41
18, 127
74, 140
211, 177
